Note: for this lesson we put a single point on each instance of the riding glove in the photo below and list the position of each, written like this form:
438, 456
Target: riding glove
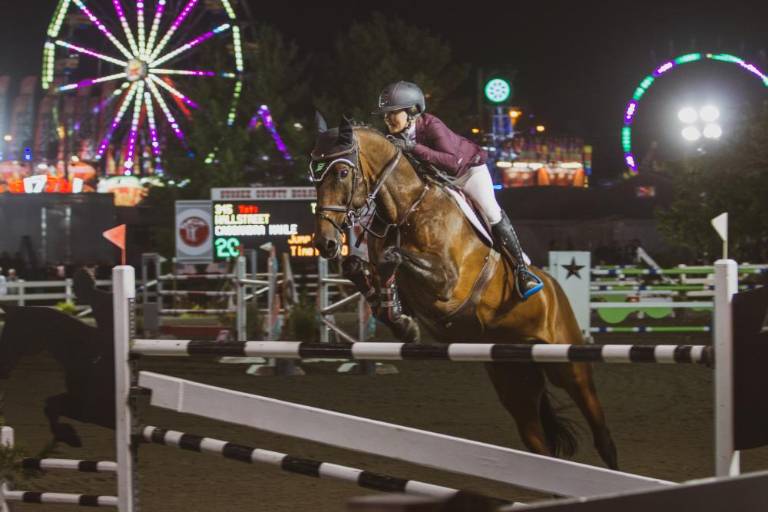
404, 145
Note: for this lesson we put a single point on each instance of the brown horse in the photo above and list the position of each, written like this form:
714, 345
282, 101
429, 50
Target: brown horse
456, 285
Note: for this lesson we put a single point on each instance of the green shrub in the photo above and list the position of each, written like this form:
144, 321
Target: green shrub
303, 323
67, 308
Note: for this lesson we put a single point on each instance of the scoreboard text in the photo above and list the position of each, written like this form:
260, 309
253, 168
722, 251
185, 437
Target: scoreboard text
239, 225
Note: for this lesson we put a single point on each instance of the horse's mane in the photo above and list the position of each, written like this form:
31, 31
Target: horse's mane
367, 128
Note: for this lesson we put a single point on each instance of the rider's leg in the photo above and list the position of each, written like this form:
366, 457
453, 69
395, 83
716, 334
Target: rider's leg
477, 184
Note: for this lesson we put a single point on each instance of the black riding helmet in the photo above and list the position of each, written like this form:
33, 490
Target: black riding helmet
402, 96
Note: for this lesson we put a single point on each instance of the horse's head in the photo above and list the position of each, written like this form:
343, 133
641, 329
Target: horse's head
341, 188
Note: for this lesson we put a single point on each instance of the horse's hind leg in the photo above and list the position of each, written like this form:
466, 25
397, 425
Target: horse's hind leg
576, 380
520, 388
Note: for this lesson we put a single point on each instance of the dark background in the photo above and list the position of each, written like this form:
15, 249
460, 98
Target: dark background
578, 62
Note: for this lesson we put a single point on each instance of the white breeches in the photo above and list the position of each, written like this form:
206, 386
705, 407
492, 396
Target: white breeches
477, 184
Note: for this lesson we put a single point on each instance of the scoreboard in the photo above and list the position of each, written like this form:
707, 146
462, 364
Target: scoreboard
247, 218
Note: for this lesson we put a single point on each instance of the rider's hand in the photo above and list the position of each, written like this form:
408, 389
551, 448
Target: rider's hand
406, 146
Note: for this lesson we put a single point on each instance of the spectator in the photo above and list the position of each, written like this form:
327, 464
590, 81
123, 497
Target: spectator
12, 278
3, 287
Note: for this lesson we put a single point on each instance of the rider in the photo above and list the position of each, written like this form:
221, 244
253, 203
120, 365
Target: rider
429, 140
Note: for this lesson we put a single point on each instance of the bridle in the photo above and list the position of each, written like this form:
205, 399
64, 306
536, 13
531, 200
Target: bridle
319, 166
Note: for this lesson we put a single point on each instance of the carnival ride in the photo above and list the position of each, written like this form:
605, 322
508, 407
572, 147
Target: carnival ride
631, 110
126, 64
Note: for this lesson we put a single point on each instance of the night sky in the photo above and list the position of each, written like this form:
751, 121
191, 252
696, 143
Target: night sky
578, 62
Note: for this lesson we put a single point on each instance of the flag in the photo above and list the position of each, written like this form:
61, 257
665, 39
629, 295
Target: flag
116, 235
720, 223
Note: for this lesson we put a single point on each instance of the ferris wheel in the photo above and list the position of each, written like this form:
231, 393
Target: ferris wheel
137, 65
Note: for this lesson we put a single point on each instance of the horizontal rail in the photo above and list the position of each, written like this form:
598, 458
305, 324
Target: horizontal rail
652, 328
649, 304
333, 280
60, 498
196, 311
189, 277
292, 464
671, 271
197, 292
439, 451
86, 466
253, 282
458, 352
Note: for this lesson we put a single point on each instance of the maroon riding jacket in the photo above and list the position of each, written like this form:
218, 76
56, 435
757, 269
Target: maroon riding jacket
439, 145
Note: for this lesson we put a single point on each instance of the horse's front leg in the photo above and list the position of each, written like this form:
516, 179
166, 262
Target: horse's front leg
437, 274
383, 298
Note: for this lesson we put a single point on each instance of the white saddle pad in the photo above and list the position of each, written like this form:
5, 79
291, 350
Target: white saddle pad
472, 217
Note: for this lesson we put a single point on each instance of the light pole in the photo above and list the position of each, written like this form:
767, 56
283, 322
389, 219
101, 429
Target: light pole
700, 123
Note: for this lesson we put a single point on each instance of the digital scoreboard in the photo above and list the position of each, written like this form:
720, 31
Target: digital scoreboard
247, 218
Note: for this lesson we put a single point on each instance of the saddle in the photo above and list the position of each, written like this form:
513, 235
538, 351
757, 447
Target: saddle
471, 212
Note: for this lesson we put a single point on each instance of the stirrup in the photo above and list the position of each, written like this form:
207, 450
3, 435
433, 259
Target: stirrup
532, 291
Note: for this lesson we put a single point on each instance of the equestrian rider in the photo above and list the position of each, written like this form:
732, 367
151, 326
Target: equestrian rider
429, 140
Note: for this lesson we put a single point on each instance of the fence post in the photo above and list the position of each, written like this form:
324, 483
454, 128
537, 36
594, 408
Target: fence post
124, 290
68, 294
366, 367
322, 295
6, 441
240, 306
727, 461
22, 291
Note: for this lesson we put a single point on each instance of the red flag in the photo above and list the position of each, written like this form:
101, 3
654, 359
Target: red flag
116, 235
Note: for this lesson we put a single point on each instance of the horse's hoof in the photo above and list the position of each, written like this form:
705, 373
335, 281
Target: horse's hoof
65, 433
407, 330
351, 265
389, 261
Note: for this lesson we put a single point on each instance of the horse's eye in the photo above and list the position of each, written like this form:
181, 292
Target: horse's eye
343, 173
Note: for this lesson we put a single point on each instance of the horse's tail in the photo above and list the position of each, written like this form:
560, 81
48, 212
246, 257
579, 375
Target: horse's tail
560, 432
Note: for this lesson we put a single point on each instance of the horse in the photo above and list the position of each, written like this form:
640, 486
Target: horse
85, 353
456, 285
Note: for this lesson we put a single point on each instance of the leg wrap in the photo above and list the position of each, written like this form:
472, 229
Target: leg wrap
390, 308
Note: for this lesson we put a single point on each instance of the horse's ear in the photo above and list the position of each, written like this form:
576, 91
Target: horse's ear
346, 136
322, 125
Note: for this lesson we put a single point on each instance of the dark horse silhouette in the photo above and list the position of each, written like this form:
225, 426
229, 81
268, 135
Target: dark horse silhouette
85, 353
456, 285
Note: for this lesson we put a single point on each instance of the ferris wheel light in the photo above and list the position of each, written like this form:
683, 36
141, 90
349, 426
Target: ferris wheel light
145, 35
709, 113
691, 133
713, 131
688, 115
689, 118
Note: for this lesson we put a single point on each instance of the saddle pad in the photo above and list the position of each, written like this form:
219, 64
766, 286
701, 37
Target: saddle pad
473, 218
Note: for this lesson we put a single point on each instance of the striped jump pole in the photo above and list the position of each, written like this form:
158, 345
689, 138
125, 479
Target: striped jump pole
297, 465
85, 466
458, 352
59, 498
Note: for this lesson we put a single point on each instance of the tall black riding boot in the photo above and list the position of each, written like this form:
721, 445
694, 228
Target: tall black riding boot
504, 234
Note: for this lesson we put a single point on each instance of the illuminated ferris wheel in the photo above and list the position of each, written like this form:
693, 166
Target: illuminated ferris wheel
139, 64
